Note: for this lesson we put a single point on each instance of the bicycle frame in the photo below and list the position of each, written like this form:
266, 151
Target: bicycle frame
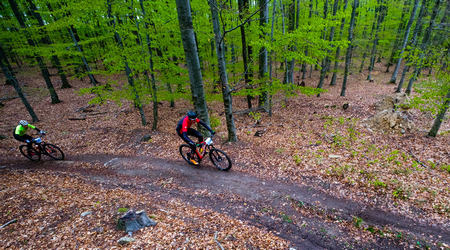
38, 142
208, 148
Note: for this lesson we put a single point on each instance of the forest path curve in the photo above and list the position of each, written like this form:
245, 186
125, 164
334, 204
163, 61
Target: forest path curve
300, 214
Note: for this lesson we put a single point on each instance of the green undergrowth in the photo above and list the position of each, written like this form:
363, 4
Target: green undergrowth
344, 152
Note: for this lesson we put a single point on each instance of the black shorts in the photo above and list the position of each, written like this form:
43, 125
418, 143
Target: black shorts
22, 138
191, 132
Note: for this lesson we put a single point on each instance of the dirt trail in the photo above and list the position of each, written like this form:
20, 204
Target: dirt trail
305, 216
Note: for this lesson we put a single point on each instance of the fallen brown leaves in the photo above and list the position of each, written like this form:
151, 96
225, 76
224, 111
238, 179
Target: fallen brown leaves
307, 140
48, 210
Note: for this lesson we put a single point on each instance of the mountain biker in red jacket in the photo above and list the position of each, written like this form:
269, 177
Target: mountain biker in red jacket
184, 128
20, 132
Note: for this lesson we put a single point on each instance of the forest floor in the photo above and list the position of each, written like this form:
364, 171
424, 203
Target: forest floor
318, 177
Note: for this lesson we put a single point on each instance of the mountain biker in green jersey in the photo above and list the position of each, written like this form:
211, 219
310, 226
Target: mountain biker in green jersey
20, 132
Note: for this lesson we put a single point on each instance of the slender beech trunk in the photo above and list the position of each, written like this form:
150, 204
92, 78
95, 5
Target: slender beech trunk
152, 74
371, 34
243, 8
326, 62
264, 19
440, 117
12, 79
400, 28
423, 47
348, 56
271, 54
192, 60
289, 77
83, 58
382, 12
283, 27
404, 43
8, 65
416, 34
304, 66
364, 33
338, 49
226, 93
46, 40
40, 61
128, 71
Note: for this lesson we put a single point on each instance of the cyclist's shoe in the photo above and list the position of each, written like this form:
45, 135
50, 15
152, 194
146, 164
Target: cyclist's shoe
193, 161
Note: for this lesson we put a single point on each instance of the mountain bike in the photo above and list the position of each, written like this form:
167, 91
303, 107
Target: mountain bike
38, 147
194, 156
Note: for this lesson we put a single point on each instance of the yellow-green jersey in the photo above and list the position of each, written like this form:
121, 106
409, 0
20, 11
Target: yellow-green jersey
22, 130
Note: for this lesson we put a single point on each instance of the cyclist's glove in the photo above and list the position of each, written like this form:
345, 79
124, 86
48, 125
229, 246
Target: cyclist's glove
42, 132
27, 141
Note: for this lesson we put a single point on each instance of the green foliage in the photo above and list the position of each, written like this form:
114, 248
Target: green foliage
122, 210
286, 218
446, 167
431, 93
400, 193
379, 184
357, 221
214, 121
256, 116
340, 171
297, 159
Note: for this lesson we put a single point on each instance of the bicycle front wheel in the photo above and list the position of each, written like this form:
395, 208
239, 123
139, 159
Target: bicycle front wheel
54, 152
220, 159
30, 152
189, 155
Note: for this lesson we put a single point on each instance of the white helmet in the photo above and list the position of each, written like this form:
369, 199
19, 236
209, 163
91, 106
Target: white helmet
23, 123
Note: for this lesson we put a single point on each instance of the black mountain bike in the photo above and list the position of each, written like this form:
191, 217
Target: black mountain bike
38, 147
194, 156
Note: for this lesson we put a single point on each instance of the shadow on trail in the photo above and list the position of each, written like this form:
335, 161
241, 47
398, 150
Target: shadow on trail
300, 214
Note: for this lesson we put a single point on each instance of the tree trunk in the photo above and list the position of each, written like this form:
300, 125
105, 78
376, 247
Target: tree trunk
440, 117
400, 28
46, 40
243, 7
192, 60
413, 43
73, 35
338, 50
423, 47
40, 61
348, 56
128, 71
291, 64
326, 61
306, 51
75, 40
12, 79
405, 42
271, 54
382, 10
226, 93
8, 65
264, 19
152, 74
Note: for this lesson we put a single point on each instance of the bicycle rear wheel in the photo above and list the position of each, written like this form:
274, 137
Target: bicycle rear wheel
30, 152
220, 159
189, 155
53, 151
